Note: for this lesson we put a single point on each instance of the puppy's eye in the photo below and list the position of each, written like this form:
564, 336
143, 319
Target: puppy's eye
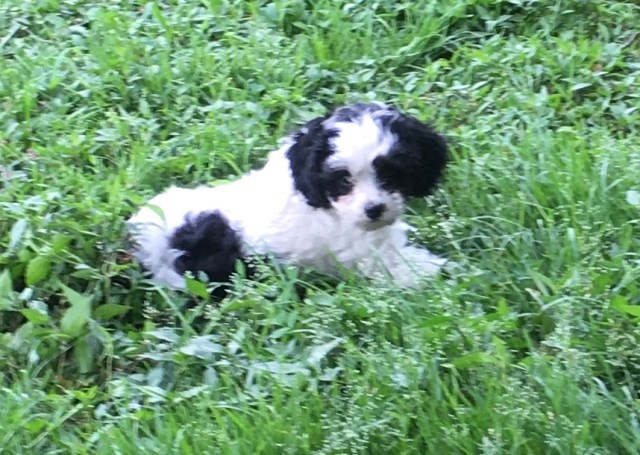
339, 183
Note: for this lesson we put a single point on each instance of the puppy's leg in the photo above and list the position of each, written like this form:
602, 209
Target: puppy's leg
406, 265
412, 264
395, 258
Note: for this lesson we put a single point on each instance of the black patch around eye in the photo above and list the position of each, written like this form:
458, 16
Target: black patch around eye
338, 183
388, 174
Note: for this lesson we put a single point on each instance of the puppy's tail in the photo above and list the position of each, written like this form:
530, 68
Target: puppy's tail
150, 242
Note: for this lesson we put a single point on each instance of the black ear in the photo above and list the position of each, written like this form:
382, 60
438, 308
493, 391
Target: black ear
417, 160
306, 157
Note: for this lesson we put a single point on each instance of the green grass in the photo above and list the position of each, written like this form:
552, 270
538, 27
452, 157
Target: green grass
530, 346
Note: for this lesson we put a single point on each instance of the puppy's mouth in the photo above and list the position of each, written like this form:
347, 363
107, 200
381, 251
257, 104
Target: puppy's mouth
375, 225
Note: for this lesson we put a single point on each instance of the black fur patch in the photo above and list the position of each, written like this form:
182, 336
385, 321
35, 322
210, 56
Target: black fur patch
306, 158
416, 162
210, 246
338, 183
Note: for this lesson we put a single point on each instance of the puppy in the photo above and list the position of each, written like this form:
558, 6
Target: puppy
330, 198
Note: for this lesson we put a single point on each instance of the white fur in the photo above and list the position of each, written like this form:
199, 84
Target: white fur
271, 217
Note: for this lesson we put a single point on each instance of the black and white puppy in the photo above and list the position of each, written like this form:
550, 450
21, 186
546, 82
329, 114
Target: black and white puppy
331, 197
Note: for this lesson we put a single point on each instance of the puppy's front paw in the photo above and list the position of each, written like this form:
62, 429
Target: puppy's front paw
414, 264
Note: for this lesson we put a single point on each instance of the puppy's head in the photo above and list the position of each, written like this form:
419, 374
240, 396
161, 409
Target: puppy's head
364, 161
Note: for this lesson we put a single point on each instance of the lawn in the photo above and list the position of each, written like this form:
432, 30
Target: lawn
530, 345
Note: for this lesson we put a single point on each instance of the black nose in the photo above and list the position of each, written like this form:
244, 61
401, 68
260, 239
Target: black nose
374, 211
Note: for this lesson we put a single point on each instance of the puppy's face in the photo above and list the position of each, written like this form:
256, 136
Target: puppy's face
363, 161
353, 184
